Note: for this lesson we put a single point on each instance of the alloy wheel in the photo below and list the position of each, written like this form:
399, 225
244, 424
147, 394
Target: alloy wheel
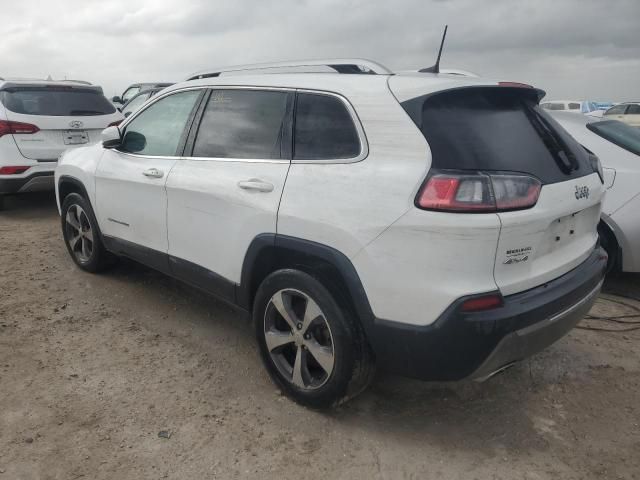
299, 339
80, 236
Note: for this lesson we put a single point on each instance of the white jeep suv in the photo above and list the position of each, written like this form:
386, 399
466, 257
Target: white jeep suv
38, 121
433, 225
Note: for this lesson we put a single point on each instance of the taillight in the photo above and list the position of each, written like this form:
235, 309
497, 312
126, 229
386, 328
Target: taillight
485, 302
478, 192
8, 127
13, 170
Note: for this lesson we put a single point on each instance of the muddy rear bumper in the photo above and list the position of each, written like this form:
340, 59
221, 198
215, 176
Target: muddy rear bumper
474, 345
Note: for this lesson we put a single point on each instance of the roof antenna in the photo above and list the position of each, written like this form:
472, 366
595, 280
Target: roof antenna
436, 68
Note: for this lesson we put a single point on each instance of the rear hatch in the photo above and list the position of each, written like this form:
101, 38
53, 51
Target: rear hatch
66, 116
501, 132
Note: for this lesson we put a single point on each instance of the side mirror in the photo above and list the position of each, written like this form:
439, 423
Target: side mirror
111, 137
116, 99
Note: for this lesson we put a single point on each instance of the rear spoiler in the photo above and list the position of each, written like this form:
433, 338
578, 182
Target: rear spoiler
8, 86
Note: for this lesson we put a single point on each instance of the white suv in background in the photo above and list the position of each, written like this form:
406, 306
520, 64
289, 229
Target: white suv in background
433, 225
41, 119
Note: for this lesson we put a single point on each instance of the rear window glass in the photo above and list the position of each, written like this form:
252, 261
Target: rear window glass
497, 128
619, 133
56, 101
324, 129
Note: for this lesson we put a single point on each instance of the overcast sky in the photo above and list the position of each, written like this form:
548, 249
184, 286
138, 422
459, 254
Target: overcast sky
583, 49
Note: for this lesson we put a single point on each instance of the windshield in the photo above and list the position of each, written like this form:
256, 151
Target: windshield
619, 133
56, 101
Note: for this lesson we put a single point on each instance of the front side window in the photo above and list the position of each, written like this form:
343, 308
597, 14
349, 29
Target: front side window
324, 129
157, 130
134, 104
617, 110
619, 133
242, 124
129, 94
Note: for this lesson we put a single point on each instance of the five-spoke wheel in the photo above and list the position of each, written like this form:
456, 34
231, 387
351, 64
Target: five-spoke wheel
299, 338
80, 235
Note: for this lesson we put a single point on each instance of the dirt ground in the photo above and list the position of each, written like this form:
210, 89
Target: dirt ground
94, 367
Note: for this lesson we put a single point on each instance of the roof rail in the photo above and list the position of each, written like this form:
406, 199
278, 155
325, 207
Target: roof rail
340, 65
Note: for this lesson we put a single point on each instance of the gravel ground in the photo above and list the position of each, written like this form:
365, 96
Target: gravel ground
94, 367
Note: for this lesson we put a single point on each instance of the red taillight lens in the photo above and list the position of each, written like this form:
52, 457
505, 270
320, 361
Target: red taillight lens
486, 302
514, 84
9, 127
13, 170
478, 192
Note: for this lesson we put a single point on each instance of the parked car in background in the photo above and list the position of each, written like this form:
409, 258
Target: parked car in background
38, 121
139, 99
573, 106
434, 225
135, 88
618, 147
627, 112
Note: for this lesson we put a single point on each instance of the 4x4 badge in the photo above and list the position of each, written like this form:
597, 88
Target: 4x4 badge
582, 192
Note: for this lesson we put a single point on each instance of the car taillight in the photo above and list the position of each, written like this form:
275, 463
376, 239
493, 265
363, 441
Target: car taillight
485, 302
478, 192
13, 170
8, 127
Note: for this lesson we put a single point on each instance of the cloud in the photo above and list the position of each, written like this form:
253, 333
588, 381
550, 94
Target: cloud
588, 48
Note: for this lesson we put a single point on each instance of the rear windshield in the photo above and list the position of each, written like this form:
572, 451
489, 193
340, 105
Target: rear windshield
621, 134
56, 101
497, 128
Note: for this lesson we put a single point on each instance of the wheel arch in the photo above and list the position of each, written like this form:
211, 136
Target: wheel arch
68, 184
605, 229
270, 252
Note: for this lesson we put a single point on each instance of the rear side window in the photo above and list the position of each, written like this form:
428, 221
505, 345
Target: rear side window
158, 129
553, 106
574, 106
56, 101
633, 110
242, 124
619, 133
497, 129
324, 129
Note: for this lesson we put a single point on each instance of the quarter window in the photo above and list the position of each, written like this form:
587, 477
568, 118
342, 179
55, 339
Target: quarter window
242, 124
324, 129
157, 130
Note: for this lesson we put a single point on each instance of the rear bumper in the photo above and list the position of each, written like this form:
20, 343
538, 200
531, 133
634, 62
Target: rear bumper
35, 182
474, 345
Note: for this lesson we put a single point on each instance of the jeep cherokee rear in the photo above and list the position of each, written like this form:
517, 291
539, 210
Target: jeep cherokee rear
436, 226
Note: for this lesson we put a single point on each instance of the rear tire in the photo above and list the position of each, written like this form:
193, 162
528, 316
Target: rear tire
82, 235
610, 244
1, 202
313, 349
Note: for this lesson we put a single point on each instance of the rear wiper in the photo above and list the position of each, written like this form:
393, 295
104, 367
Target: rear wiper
86, 112
563, 156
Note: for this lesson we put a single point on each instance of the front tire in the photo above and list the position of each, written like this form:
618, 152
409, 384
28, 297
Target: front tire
82, 236
312, 348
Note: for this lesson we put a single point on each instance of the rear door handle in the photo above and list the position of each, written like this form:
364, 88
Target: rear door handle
153, 173
256, 184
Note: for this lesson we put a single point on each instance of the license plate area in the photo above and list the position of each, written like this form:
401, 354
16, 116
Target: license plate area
75, 137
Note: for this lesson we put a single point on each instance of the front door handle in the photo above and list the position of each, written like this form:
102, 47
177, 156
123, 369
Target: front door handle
256, 184
153, 173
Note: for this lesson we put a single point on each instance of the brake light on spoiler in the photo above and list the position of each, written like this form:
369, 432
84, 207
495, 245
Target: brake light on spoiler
9, 127
477, 192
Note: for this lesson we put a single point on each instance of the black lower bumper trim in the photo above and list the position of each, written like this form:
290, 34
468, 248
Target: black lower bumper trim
40, 180
473, 345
